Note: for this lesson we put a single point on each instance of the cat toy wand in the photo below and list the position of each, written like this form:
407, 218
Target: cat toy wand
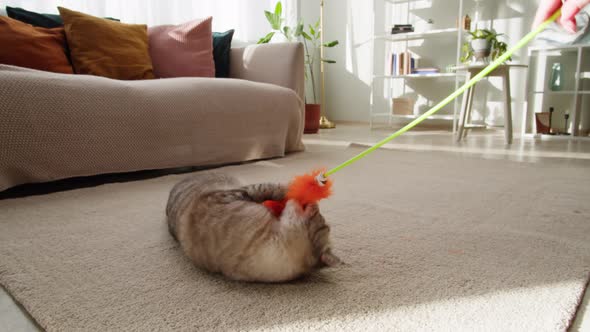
311, 188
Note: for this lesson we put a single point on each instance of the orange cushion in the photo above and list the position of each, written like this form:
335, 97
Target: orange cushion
23, 45
107, 48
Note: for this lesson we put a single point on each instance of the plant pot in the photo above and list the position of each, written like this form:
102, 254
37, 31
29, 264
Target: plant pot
482, 48
312, 118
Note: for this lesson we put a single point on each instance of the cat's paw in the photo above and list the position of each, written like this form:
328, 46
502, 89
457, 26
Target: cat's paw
330, 260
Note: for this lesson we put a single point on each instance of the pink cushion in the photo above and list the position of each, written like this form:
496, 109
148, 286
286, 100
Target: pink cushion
182, 50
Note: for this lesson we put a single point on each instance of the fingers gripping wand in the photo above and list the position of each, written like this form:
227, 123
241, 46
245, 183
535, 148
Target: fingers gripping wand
310, 188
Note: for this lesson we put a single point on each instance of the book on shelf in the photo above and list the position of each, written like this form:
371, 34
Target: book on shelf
425, 70
401, 28
402, 63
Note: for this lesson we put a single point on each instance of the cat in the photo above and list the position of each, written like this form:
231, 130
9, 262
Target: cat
222, 227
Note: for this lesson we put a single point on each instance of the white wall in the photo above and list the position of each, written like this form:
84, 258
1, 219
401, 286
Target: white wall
347, 81
245, 16
352, 23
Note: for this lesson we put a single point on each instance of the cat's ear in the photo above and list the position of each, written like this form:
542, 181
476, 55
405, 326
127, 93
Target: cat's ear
329, 259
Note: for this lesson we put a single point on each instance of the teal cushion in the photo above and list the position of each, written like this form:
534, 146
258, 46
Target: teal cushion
221, 48
36, 19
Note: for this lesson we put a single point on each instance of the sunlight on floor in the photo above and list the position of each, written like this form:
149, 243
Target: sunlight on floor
487, 143
412, 317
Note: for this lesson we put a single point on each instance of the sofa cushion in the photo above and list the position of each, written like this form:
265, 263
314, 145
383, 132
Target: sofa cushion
37, 19
182, 50
38, 48
107, 48
221, 49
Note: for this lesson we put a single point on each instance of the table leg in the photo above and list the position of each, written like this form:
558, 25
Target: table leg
469, 109
463, 113
507, 107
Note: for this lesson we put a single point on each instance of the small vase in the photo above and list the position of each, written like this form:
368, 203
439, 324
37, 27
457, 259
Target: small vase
556, 82
481, 49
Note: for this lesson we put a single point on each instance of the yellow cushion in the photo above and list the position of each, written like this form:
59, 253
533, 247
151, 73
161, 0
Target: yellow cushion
107, 48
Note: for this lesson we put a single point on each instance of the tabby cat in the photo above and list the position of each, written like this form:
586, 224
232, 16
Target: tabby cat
222, 227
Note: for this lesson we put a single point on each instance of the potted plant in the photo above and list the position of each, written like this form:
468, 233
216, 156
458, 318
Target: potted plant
483, 44
312, 36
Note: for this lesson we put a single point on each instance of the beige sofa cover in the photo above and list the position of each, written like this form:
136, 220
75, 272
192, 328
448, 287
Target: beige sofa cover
55, 126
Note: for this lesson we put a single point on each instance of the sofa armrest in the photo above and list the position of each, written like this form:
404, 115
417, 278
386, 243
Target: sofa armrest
279, 63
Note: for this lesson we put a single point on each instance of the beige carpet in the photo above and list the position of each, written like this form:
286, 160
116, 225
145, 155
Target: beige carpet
433, 242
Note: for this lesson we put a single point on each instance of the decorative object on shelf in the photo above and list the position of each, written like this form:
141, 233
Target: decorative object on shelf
402, 28
555, 84
465, 23
566, 116
430, 25
402, 106
543, 122
483, 44
315, 37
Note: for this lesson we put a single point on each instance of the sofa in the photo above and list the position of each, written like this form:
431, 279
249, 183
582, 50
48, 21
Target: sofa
55, 126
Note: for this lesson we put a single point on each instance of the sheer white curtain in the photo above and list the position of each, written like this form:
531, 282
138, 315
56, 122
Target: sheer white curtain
245, 16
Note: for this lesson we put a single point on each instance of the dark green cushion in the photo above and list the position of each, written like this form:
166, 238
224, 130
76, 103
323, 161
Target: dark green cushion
221, 48
38, 20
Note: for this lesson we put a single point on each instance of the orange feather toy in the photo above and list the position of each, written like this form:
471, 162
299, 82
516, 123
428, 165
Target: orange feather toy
305, 189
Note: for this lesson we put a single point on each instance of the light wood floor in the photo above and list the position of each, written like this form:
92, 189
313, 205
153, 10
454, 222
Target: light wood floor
488, 143
485, 143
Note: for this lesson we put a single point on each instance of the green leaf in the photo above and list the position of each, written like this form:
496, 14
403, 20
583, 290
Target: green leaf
286, 30
276, 16
298, 29
331, 44
467, 53
269, 17
266, 39
328, 61
274, 20
311, 30
317, 24
305, 35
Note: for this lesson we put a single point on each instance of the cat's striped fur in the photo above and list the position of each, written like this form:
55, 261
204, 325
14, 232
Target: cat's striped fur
222, 227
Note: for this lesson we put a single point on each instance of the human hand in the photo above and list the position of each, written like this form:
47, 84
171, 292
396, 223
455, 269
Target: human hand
569, 9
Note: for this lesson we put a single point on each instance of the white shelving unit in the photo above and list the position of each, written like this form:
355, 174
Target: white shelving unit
539, 93
417, 35
417, 75
455, 36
